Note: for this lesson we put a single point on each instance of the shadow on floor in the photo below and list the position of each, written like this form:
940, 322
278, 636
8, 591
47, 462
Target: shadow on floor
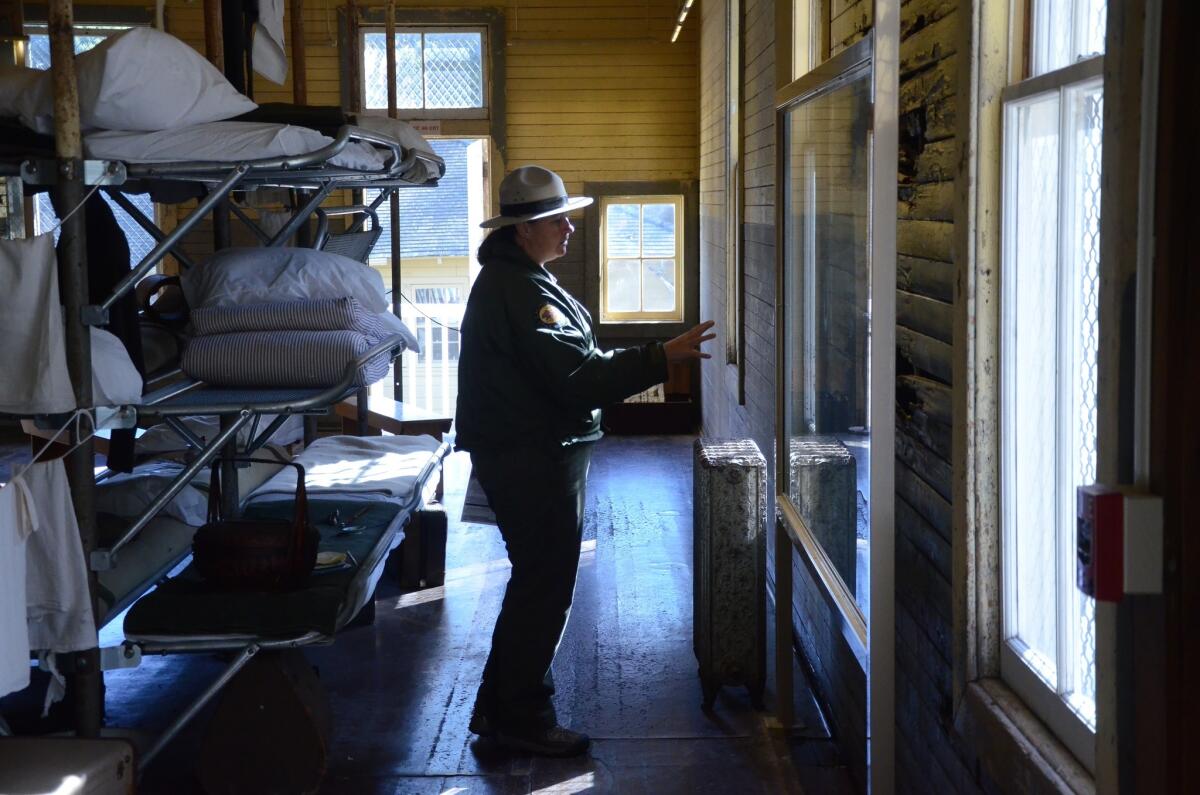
402, 688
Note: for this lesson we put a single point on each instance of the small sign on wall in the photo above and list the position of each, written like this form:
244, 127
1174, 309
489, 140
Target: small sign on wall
427, 126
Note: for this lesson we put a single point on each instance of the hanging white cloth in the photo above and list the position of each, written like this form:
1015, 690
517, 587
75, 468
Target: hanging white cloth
270, 58
58, 605
16, 523
33, 355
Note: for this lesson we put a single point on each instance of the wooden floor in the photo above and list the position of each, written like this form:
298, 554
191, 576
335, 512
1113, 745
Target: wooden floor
402, 688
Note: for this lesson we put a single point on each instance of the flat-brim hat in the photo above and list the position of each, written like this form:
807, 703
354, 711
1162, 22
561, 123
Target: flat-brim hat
532, 192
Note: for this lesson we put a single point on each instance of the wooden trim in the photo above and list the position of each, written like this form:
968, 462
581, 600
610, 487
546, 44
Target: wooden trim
784, 43
1015, 749
1053, 81
885, 152
829, 76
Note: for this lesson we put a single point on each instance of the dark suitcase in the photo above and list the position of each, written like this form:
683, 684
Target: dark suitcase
423, 550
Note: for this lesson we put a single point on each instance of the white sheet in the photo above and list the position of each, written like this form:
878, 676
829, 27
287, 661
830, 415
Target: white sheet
58, 606
383, 466
225, 142
33, 354
162, 439
128, 494
267, 52
15, 525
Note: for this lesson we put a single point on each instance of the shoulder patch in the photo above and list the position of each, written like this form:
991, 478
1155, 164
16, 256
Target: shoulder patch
550, 315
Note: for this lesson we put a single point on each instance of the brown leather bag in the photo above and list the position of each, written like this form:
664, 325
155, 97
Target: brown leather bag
256, 554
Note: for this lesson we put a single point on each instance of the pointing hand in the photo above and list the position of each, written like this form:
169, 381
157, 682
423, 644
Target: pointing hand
687, 345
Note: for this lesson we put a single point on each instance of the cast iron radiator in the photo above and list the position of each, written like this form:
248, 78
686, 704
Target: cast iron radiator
729, 484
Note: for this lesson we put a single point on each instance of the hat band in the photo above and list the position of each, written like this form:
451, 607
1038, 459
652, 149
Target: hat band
532, 208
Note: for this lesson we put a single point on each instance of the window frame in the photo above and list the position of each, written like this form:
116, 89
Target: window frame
481, 112
1046, 700
676, 315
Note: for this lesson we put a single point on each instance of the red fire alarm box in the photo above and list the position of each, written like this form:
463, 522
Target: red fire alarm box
1119, 547
1098, 542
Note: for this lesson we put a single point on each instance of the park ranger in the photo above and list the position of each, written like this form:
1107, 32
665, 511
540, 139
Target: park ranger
531, 383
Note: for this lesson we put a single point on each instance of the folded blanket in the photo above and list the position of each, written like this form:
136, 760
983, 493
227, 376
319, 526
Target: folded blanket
282, 359
318, 314
383, 465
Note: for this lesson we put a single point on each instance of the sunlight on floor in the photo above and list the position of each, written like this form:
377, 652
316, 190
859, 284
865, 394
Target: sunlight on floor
581, 783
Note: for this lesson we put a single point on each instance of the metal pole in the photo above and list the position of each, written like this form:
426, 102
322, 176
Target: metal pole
394, 200
299, 66
87, 677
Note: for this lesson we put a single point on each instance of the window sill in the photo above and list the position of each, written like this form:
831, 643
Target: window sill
1015, 749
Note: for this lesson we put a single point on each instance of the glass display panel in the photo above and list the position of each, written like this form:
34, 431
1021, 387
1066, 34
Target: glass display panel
827, 305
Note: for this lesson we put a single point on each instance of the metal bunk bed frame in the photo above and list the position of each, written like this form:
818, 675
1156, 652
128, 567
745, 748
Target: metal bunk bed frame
68, 173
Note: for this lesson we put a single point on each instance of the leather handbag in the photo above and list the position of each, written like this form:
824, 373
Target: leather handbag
256, 554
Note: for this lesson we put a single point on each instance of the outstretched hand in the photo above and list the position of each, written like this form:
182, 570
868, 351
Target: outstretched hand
687, 345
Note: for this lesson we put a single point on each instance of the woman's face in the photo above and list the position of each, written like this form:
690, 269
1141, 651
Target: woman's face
545, 239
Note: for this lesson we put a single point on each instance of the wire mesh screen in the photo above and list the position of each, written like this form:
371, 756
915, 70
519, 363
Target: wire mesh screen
433, 70
1088, 314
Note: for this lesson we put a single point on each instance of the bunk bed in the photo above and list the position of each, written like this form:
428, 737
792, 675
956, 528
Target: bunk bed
241, 156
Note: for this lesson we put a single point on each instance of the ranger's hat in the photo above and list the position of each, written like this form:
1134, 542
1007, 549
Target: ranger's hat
532, 192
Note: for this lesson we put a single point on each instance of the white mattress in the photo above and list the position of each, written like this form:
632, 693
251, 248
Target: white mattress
367, 467
225, 142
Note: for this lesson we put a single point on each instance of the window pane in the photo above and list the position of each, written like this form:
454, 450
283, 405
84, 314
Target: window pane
623, 285
658, 230
658, 285
1032, 501
827, 293
1064, 33
453, 70
622, 232
408, 70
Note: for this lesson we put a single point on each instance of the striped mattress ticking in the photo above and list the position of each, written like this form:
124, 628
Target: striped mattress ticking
288, 359
318, 314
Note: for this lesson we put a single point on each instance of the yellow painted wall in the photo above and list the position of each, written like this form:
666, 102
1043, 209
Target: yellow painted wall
595, 89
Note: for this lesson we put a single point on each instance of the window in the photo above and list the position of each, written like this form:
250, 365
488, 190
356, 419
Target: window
806, 36
38, 57
1049, 335
439, 73
641, 258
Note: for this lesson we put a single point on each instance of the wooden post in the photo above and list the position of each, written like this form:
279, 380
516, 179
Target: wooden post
299, 65
214, 44
73, 286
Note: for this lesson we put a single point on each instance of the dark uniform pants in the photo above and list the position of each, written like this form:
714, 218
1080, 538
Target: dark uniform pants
538, 497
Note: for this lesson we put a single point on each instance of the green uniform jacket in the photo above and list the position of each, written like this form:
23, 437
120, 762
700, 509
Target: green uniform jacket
529, 371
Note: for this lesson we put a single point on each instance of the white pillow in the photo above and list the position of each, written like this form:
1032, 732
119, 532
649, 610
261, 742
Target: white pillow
128, 494
115, 381
395, 325
141, 79
224, 142
18, 85
236, 276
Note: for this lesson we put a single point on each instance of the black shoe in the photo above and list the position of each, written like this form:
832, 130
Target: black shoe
480, 724
554, 741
